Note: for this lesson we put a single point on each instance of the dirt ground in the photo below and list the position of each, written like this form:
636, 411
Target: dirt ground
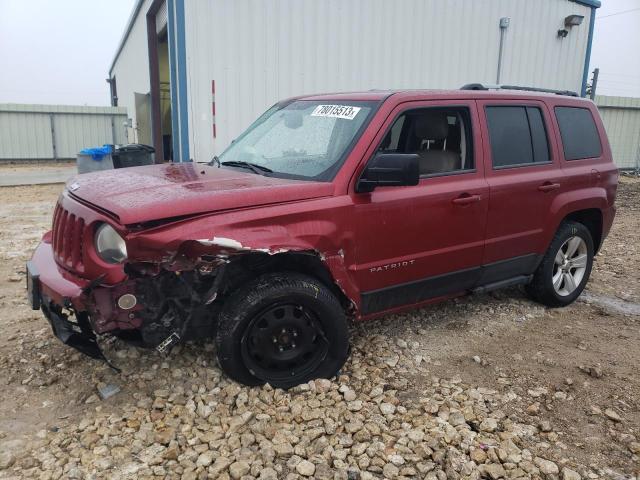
572, 374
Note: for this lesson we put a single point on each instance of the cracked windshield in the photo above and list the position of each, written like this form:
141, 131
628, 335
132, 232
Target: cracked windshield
303, 139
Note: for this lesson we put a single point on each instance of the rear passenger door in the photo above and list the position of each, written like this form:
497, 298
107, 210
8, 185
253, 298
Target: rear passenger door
524, 176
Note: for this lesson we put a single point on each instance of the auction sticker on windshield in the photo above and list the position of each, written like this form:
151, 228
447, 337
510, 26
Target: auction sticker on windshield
336, 111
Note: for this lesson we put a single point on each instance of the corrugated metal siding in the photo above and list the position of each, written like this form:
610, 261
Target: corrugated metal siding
161, 17
621, 118
131, 68
26, 130
261, 51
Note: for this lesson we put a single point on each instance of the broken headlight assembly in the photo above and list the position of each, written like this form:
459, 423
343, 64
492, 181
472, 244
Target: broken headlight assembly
110, 245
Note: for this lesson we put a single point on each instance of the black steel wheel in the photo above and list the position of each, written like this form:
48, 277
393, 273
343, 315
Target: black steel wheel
284, 342
284, 329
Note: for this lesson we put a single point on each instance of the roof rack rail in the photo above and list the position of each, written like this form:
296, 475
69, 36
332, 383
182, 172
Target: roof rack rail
480, 86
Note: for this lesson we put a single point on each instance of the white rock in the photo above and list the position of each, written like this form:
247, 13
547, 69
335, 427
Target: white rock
416, 435
349, 395
538, 392
390, 471
305, 468
238, 469
205, 459
489, 425
612, 415
546, 466
6, 460
322, 385
387, 408
568, 474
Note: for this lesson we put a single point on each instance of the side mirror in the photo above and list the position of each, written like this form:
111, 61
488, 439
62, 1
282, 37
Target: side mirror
389, 170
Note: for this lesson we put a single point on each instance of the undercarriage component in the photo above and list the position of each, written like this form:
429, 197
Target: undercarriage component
175, 307
168, 343
78, 334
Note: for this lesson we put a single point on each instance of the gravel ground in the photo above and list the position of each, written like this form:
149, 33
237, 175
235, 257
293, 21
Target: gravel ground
490, 386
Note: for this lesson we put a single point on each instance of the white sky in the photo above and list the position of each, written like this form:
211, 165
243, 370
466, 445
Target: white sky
59, 51
616, 48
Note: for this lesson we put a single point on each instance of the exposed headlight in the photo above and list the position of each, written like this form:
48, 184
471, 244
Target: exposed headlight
110, 246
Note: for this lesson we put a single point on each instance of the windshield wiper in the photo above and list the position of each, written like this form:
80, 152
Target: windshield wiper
213, 161
254, 167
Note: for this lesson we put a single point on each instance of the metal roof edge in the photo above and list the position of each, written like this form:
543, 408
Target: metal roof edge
46, 108
588, 3
614, 101
127, 31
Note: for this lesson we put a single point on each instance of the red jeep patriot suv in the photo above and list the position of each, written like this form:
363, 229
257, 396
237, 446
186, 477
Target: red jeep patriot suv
331, 208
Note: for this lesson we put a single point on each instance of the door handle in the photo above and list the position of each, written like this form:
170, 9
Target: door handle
548, 187
466, 199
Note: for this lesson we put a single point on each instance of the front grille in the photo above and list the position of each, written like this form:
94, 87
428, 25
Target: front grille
68, 230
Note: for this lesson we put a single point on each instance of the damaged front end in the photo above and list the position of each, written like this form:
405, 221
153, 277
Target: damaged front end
158, 288
156, 311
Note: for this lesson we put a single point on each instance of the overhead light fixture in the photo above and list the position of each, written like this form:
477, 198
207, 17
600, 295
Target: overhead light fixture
573, 20
569, 22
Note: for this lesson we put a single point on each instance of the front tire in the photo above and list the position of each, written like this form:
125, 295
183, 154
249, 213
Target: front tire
565, 269
283, 329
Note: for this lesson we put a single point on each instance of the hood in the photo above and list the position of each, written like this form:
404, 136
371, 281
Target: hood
156, 192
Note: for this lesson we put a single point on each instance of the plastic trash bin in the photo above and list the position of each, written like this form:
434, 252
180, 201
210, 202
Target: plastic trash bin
133, 155
95, 159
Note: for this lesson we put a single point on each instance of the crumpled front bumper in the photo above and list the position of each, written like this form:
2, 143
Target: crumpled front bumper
78, 334
53, 283
55, 291
75, 307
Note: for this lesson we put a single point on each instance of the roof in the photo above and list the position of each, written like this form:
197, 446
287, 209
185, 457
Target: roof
605, 101
588, 3
78, 109
378, 95
127, 31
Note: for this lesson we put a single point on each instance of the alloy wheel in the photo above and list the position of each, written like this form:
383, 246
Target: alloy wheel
570, 265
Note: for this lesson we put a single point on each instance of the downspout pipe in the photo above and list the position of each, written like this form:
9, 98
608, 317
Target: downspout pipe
504, 24
587, 59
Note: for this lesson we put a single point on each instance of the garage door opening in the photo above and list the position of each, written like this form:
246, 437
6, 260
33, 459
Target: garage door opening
165, 95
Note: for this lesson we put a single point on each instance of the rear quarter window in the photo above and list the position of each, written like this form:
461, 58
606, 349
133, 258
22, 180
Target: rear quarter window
580, 138
517, 136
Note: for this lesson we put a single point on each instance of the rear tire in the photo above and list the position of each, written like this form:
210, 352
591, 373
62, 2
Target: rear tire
565, 268
283, 329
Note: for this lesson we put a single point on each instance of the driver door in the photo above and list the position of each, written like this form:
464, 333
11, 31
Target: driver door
420, 242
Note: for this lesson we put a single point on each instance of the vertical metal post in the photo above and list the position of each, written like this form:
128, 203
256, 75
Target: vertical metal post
113, 130
637, 166
504, 24
53, 137
594, 84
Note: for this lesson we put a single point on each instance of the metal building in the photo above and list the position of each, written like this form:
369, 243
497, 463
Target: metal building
621, 118
56, 132
193, 74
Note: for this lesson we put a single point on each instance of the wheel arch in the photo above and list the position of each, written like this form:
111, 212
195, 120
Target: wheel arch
327, 270
592, 219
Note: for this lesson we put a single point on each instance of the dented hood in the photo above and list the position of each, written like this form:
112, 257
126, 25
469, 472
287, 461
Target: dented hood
156, 192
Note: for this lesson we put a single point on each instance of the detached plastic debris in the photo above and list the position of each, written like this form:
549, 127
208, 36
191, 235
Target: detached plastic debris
98, 153
108, 391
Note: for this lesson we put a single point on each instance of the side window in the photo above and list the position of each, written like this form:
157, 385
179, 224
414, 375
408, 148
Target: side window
580, 138
440, 136
517, 136
392, 140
